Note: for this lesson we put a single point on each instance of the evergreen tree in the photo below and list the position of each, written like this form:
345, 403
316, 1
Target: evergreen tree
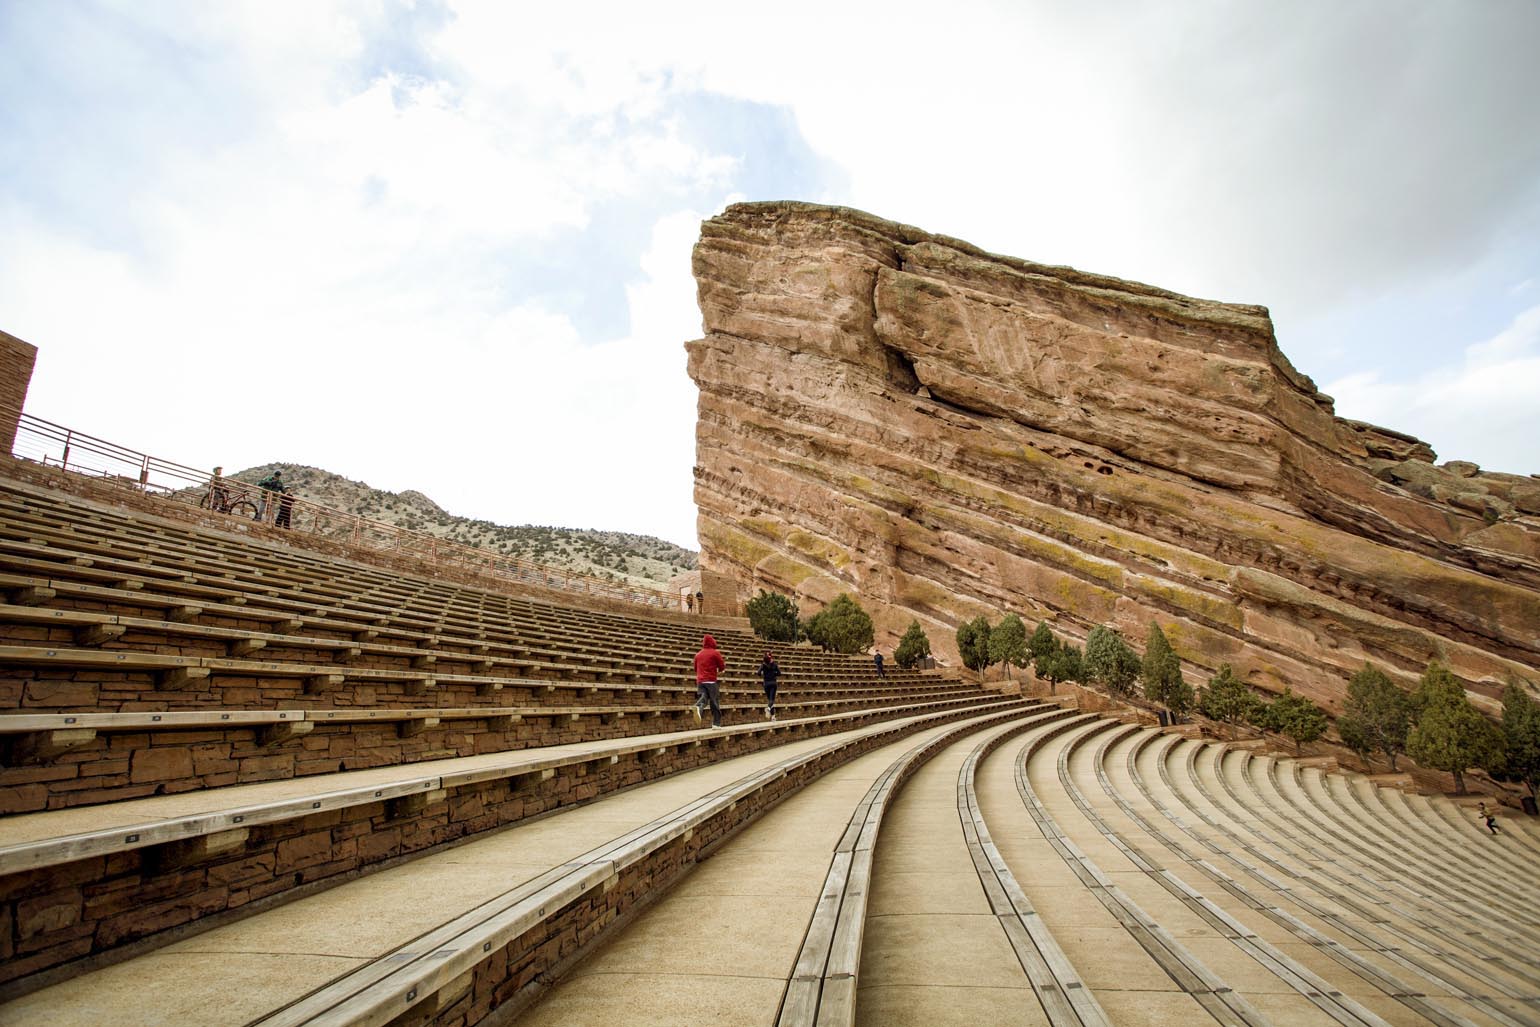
1042, 641
913, 647
973, 644
1109, 661
1296, 717
842, 626
1353, 737
1521, 735
1162, 672
1008, 643
815, 630
773, 616
1061, 663
1228, 699
1376, 711
1451, 734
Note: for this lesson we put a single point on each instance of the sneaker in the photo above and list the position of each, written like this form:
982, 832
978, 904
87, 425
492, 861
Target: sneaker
696, 710
769, 712
716, 727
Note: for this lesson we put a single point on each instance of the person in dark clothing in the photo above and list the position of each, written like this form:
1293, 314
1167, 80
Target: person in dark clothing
1486, 817
709, 664
285, 509
770, 674
877, 659
270, 485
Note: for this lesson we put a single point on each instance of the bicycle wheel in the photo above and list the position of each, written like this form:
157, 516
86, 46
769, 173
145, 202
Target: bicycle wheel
243, 508
207, 500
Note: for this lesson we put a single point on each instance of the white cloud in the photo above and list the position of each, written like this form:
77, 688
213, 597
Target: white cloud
1483, 403
331, 270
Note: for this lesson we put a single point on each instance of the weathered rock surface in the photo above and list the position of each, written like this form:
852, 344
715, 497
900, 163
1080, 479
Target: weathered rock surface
948, 432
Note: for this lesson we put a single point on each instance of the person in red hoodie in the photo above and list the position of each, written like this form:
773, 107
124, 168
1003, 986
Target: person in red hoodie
708, 664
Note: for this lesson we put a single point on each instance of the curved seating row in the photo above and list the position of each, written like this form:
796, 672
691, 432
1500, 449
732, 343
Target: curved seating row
535, 896
199, 725
1265, 899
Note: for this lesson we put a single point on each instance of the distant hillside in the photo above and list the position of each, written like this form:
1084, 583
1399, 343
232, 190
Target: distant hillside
616, 555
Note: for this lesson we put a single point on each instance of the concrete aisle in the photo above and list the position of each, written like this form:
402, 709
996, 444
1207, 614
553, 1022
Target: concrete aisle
235, 973
933, 952
719, 948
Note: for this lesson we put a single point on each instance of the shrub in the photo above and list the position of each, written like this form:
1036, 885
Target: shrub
913, 647
773, 617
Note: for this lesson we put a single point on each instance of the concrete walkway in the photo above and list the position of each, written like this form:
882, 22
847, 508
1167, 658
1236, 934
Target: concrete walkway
720, 947
934, 952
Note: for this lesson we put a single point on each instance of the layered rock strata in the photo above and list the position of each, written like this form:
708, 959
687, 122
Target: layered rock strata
947, 432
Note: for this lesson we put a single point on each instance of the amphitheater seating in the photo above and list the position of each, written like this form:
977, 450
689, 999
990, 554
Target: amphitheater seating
309, 791
217, 722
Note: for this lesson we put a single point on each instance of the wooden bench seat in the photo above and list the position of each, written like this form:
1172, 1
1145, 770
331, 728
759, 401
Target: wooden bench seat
32, 840
282, 835
429, 972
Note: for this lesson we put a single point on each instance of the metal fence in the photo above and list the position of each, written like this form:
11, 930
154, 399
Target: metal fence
54, 445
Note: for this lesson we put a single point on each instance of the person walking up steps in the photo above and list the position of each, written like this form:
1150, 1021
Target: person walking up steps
877, 659
708, 665
770, 674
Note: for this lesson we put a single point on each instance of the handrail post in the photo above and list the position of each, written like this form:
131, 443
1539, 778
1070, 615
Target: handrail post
69, 437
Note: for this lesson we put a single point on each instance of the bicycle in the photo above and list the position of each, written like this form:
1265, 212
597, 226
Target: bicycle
221, 499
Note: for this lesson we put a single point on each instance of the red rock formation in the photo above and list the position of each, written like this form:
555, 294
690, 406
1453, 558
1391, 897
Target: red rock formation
948, 432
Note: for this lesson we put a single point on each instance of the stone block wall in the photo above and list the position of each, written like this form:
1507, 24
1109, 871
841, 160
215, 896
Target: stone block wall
16, 361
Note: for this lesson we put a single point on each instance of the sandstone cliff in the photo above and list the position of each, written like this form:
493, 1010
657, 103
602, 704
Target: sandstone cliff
947, 432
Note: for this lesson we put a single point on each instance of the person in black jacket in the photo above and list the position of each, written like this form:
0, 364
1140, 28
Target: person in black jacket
770, 675
285, 509
271, 486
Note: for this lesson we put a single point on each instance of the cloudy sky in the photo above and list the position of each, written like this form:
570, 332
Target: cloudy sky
445, 245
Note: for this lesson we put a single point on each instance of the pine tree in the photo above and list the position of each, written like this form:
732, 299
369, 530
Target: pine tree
973, 644
1162, 673
1061, 663
842, 626
773, 616
1296, 717
1451, 734
1041, 642
1008, 643
1521, 735
1377, 712
1228, 699
1109, 661
913, 647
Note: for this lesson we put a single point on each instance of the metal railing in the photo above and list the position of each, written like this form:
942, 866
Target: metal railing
54, 445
